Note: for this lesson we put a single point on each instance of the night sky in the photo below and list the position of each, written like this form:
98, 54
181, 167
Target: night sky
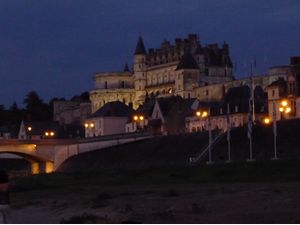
55, 46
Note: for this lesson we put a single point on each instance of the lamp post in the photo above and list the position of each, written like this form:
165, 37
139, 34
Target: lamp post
205, 114
283, 108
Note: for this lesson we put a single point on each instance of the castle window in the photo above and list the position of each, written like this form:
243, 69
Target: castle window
273, 93
122, 84
207, 92
105, 84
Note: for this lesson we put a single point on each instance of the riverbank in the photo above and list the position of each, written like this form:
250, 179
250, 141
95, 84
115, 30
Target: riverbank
223, 193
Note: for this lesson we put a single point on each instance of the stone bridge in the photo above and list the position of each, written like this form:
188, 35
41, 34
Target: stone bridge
46, 155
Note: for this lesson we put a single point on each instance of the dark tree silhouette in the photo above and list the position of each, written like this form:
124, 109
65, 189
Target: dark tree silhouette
36, 108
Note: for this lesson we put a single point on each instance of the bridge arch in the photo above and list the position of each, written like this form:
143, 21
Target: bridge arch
38, 164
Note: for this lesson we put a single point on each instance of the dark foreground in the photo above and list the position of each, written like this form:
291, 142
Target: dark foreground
259, 192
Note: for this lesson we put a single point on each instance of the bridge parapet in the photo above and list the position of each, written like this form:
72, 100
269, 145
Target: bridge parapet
52, 153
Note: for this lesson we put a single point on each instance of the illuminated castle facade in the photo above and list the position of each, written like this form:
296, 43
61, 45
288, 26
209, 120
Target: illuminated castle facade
173, 69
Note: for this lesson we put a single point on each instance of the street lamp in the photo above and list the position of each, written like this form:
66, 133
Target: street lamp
204, 114
285, 108
49, 133
267, 120
138, 119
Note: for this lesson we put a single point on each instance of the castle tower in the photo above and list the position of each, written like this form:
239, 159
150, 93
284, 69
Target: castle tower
187, 76
139, 75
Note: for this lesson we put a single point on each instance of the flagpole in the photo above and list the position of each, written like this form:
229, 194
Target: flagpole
252, 90
249, 132
250, 157
228, 133
275, 131
209, 137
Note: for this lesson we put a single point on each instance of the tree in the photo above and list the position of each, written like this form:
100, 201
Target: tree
14, 107
36, 109
83, 97
32, 101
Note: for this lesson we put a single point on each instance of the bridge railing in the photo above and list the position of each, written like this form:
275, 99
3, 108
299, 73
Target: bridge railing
74, 141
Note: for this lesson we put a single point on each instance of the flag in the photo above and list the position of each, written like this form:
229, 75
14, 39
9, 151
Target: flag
228, 123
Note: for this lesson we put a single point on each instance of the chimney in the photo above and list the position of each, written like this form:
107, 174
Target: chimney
295, 60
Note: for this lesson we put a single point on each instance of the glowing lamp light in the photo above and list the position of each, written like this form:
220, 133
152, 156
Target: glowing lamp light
198, 113
284, 103
52, 133
86, 125
287, 110
47, 134
204, 114
281, 109
29, 128
92, 125
141, 118
135, 118
267, 120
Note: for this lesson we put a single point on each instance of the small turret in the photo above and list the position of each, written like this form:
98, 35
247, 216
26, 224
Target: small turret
126, 68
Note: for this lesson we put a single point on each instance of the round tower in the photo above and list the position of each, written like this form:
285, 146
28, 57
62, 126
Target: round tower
139, 72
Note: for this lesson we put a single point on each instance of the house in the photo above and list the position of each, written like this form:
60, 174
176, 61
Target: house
286, 90
36, 130
234, 105
109, 119
139, 120
168, 115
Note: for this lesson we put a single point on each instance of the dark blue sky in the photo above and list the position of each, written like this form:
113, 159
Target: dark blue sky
55, 46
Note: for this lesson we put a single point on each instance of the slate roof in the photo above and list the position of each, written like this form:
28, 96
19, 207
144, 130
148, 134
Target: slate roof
216, 57
280, 82
187, 62
167, 105
140, 47
147, 107
113, 109
237, 95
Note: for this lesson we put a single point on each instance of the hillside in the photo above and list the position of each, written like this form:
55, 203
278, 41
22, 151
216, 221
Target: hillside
176, 150
157, 151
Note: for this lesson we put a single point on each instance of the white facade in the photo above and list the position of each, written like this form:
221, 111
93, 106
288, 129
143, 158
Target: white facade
100, 126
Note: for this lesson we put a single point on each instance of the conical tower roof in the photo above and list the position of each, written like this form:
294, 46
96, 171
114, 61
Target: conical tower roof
140, 47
